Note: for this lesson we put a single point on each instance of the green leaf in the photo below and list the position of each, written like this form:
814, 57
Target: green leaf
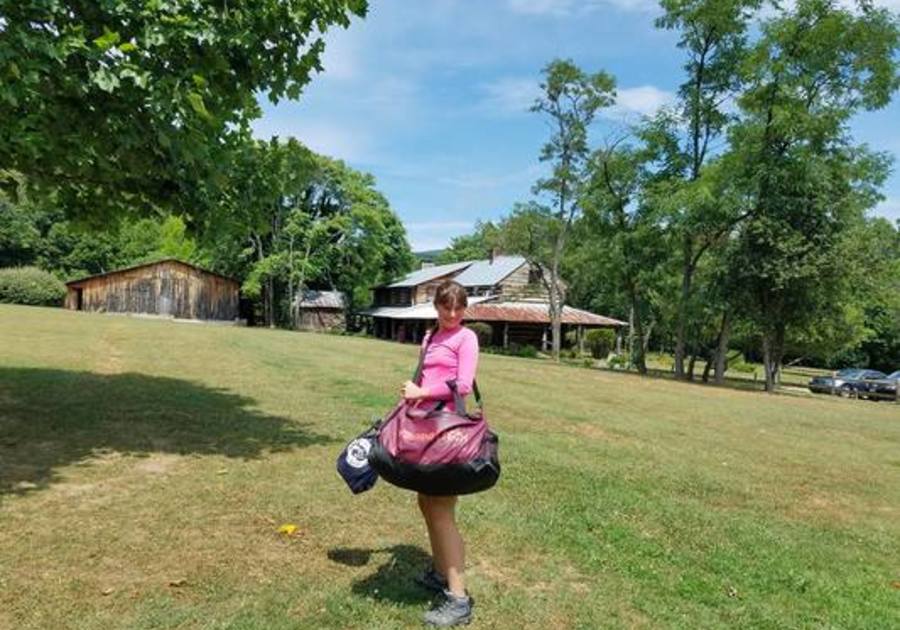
128, 47
107, 40
197, 103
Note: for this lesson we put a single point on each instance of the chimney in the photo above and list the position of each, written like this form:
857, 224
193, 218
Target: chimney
495, 251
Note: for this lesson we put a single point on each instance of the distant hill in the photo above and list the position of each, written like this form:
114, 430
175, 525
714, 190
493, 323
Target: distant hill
428, 256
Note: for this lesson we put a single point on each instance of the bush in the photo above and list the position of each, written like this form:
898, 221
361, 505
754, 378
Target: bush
600, 342
483, 331
571, 339
30, 285
619, 362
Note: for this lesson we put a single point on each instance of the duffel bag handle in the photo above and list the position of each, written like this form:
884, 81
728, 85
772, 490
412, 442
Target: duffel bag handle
459, 401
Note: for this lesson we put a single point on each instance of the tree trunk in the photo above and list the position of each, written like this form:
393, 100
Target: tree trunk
637, 336
687, 276
773, 350
692, 363
710, 358
722, 349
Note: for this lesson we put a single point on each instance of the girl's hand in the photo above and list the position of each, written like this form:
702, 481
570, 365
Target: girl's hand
411, 391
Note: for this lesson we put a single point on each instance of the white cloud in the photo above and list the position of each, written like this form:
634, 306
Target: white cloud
510, 95
889, 209
341, 142
568, 7
342, 57
428, 235
644, 100
481, 181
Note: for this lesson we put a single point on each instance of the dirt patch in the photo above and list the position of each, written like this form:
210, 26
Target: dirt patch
595, 432
158, 464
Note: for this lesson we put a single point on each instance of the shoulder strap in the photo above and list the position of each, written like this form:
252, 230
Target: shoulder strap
417, 375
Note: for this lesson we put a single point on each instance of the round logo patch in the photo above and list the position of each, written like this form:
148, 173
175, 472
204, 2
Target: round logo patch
358, 452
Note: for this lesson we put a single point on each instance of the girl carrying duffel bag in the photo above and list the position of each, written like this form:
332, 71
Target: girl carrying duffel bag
436, 451
431, 444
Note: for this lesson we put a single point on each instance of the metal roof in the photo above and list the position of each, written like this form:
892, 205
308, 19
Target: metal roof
151, 263
322, 299
419, 311
486, 273
481, 309
535, 313
429, 273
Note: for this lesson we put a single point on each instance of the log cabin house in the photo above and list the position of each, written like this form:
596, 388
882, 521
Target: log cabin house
505, 292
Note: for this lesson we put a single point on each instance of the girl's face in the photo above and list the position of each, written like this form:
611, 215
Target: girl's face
450, 316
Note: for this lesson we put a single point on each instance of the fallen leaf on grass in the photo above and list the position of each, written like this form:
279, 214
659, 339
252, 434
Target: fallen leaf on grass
896, 584
178, 582
288, 529
108, 591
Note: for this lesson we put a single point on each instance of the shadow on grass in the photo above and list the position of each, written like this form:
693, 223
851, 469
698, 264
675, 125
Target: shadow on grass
54, 418
393, 580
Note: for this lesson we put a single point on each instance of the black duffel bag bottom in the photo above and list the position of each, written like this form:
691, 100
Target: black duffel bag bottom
440, 479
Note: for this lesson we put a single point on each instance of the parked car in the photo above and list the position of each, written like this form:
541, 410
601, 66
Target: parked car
882, 388
844, 382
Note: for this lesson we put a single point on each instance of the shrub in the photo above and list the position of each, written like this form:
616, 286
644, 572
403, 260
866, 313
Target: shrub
619, 362
571, 339
30, 285
524, 350
483, 331
600, 342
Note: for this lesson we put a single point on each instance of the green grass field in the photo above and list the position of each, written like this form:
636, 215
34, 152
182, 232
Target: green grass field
146, 466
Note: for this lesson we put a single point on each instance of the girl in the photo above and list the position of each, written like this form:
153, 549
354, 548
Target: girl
451, 353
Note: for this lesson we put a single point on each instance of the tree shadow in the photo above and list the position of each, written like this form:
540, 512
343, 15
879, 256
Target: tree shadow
54, 418
394, 579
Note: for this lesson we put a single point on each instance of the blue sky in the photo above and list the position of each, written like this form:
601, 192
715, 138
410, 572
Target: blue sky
432, 98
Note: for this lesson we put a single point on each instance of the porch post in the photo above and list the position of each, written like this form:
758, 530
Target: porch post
544, 340
580, 335
505, 335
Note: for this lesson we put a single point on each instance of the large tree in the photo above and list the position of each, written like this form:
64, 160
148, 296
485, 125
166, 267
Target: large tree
814, 66
290, 219
570, 99
713, 36
122, 106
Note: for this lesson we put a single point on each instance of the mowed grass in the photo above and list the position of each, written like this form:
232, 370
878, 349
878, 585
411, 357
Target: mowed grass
145, 467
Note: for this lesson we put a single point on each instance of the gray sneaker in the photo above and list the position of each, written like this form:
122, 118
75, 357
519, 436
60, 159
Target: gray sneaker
432, 580
451, 611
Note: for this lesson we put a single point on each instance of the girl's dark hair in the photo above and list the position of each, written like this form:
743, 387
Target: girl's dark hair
451, 293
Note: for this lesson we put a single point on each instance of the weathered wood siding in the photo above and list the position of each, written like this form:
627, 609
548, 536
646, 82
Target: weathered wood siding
321, 319
425, 292
520, 285
167, 288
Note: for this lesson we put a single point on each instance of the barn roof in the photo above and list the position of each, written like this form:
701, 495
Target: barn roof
151, 264
322, 299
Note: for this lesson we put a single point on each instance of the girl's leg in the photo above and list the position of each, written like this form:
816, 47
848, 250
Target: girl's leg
446, 542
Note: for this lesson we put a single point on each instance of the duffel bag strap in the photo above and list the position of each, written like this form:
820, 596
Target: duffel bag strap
459, 401
417, 375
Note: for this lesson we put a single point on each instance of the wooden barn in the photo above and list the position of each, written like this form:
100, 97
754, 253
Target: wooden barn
321, 310
170, 288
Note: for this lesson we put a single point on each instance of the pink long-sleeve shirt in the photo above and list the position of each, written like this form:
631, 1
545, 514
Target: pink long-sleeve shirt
452, 354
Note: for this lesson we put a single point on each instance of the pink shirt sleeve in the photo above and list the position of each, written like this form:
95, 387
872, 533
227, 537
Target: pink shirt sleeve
467, 355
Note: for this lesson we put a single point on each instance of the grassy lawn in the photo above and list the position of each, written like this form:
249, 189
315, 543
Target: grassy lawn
146, 466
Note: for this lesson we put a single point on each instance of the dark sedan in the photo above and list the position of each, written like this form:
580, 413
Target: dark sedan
880, 389
843, 382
